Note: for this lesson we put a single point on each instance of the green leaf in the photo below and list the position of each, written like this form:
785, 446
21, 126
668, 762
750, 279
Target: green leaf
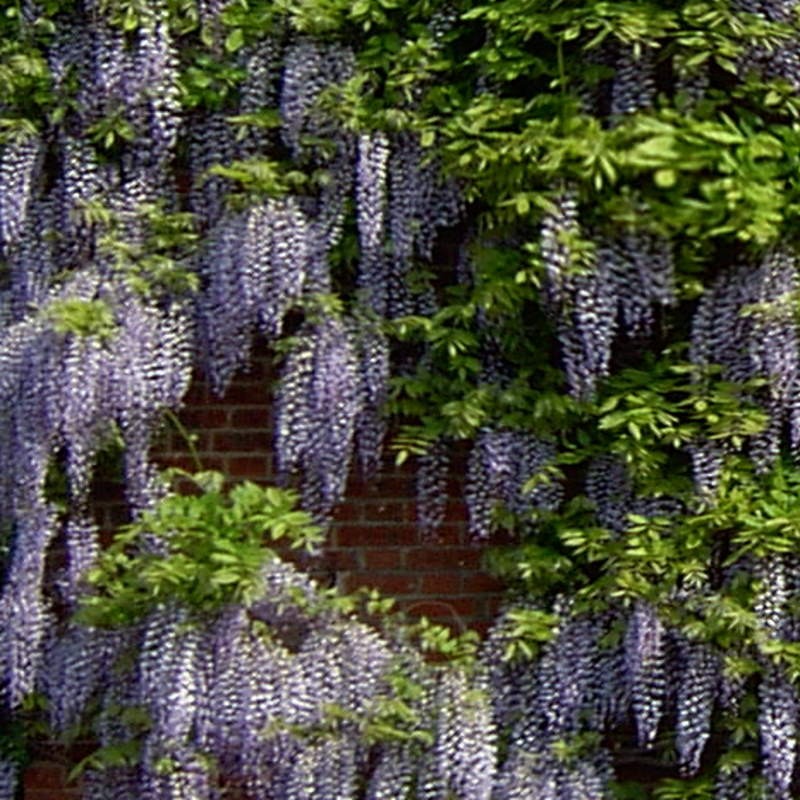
234, 40
665, 178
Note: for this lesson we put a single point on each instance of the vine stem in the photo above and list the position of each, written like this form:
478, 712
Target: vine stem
562, 78
187, 437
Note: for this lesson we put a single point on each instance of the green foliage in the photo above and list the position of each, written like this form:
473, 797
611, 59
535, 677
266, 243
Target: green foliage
158, 263
441, 641
24, 74
81, 317
698, 789
120, 754
210, 551
12, 740
664, 405
261, 177
209, 81
528, 630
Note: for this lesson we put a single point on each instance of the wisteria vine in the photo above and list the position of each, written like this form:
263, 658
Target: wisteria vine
563, 235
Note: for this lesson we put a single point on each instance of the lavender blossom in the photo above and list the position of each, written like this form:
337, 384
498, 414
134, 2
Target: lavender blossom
733, 783
316, 409
777, 720
25, 616
392, 778
309, 68
9, 777
633, 87
431, 487
501, 465
35, 260
113, 783
420, 202
372, 353
79, 663
211, 142
255, 267
324, 770
771, 604
645, 655
697, 689
588, 326
558, 226
464, 749
371, 200
583, 297
644, 272
609, 488
259, 90
20, 161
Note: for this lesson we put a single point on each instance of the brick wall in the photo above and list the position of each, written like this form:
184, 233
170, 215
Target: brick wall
374, 541
46, 779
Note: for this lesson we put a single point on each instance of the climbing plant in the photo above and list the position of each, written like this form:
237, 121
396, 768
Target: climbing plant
562, 232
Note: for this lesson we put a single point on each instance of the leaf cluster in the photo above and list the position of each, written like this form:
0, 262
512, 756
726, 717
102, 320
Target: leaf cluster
199, 550
158, 263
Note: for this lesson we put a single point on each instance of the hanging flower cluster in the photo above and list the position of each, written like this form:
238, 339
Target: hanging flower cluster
281, 695
503, 469
588, 681
596, 291
64, 394
745, 323
98, 340
87, 356
328, 407
256, 265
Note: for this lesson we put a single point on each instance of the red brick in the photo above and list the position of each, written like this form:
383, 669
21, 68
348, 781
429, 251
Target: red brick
358, 488
380, 510
444, 557
200, 440
384, 558
355, 535
375, 539
490, 604
481, 627
250, 418
447, 534
197, 394
395, 485
204, 417
239, 442
456, 610
456, 511
441, 584
399, 584
480, 582
346, 512
112, 515
43, 775
253, 467
252, 393
342, 560
258, 368
107, 490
